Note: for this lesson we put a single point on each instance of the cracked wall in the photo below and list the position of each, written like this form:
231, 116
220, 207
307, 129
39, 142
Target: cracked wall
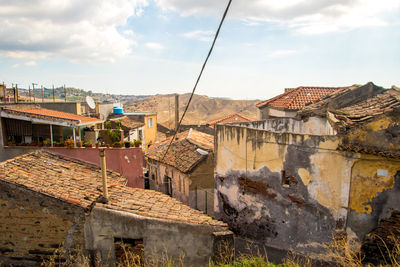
297, 191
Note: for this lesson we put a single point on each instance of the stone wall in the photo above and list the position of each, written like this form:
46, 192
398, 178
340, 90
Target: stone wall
33, 226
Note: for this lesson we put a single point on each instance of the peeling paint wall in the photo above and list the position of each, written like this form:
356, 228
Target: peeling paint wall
280, 189
297, 191
311, 126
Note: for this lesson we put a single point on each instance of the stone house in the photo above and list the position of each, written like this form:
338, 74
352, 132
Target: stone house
186, 172
288, 103
48, 201
295, 183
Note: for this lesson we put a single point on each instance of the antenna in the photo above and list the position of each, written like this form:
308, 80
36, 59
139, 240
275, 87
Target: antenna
90, 102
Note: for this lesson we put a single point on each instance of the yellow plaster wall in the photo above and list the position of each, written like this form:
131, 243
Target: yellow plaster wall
150, 133
367, 184
327, 181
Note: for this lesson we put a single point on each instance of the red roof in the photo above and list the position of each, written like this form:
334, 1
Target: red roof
299, 97
236, 117
52, 114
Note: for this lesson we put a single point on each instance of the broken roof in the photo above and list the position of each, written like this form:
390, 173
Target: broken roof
236, 117
81, 184
49, 116
183, 153
294, 99
354, 105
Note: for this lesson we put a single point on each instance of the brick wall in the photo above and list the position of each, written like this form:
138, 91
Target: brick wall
33, 226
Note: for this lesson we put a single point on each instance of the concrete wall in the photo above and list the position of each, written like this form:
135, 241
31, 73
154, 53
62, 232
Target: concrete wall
104, 109
196, 243
69, 107
311, 126
295, 191
270, 112
126, 161
33, 226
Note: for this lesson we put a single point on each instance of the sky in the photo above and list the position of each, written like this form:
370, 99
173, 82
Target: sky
147, 47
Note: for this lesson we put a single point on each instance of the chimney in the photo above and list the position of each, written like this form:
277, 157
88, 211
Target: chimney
176, 112
104, 174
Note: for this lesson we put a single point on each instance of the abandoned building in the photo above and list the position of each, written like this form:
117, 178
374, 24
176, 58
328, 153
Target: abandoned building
295, 183
61, 202
288, 103
186, 171
233, 118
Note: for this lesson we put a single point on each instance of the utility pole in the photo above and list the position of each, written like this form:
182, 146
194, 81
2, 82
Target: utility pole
33, 91
176, 112
53, 94
16, 93
65, 93
42, 93
30, 96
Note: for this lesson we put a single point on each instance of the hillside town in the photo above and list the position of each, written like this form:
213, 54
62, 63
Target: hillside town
318, 164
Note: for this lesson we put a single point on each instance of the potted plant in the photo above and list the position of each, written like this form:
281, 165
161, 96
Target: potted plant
47, 142
40, 144
69, 143
137, 142
127, 144
78, 143
88, 144
97, 144
11, 143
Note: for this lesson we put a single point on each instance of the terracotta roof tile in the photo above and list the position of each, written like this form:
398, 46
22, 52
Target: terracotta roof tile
81, 184
183, 153
52, 115
236, 117
299, 97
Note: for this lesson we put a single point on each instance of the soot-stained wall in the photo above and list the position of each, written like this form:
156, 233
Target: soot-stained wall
297, 191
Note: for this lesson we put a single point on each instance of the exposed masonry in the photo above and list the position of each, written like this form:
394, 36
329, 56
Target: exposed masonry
298, 191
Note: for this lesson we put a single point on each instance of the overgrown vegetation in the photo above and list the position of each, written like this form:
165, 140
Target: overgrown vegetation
340, 252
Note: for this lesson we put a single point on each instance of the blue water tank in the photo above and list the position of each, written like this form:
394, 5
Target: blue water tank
118, 110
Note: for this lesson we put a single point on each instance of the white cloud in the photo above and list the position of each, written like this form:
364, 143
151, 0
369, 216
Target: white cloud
281, 53
82, 30
30, 63
155, 46
303, 16
200, 35
16, 65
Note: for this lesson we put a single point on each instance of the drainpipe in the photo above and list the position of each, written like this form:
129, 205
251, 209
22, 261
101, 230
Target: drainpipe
104, 174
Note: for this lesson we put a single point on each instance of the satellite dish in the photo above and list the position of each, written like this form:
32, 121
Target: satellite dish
90, 102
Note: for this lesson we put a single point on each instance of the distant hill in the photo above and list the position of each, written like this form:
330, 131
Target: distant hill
201, 109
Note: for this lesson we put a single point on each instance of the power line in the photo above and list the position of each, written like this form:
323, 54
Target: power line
198, 78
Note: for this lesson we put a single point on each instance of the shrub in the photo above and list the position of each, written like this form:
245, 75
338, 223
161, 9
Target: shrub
69, 143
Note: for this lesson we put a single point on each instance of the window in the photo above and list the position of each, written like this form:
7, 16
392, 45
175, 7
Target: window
149, 122
168, 185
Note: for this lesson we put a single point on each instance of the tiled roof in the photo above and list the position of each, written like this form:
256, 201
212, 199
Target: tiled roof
236, 117
183, 153
81, 184
52, 115
299, 97
128, 123
370, 108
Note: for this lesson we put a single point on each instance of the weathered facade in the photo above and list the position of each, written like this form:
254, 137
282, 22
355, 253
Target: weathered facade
186, 171
49, 202
295, 183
